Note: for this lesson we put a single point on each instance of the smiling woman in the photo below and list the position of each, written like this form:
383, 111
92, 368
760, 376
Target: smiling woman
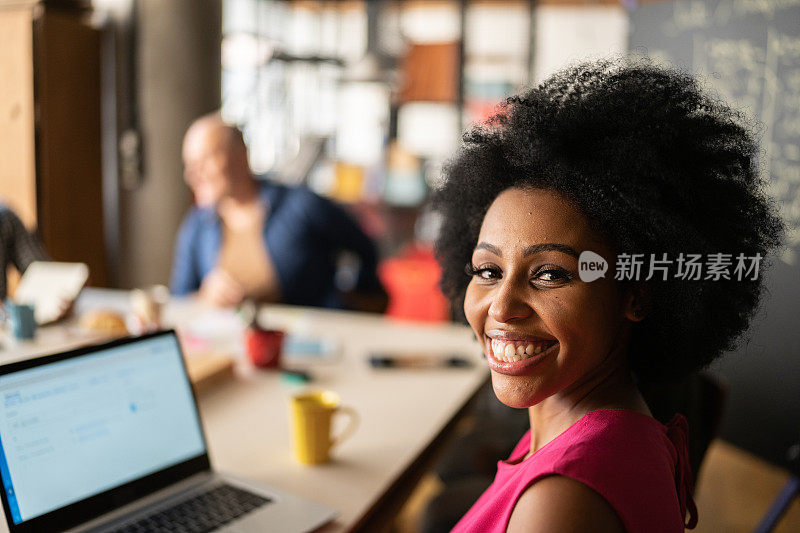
616, 158
525, 293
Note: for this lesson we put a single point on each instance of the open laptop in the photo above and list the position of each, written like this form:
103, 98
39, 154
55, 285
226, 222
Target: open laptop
108, 438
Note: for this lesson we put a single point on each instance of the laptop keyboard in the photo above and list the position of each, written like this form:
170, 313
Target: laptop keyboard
205, 512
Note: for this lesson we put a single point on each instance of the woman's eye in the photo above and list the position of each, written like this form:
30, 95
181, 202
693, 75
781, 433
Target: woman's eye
483, 272
553, 276
488, 273
546, 276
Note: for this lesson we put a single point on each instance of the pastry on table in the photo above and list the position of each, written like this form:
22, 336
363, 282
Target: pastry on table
104, 321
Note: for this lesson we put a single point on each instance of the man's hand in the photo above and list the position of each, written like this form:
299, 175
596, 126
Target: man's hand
219, 288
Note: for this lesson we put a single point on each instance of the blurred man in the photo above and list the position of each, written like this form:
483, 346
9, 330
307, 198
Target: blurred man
18, 247
253, 239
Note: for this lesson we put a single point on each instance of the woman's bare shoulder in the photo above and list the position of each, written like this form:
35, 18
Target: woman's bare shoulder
560, 504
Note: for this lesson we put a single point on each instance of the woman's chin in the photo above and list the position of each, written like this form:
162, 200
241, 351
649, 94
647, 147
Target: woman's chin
515, 391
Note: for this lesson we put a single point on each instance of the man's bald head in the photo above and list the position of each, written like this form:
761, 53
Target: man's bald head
215, 159
212, 129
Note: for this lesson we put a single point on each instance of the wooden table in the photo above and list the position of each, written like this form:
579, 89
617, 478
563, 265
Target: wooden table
405, 415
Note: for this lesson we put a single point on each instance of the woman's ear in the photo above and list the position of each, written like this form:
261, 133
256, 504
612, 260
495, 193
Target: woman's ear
637, 302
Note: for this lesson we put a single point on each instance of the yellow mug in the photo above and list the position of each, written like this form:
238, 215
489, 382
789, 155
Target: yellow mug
311, 415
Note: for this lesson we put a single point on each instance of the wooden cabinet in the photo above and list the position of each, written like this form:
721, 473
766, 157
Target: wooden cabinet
17, 147
50, 128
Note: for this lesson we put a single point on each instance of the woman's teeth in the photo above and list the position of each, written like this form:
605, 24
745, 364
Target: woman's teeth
509, 351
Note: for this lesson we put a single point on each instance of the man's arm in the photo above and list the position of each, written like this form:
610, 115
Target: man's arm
185, 278
24, 247
217, 287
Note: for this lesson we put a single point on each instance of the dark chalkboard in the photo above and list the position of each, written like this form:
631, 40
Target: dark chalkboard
748, 51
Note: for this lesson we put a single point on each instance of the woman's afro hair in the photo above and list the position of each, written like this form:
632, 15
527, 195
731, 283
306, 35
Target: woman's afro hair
656, 166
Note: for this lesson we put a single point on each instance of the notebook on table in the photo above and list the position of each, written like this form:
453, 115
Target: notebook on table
49, 285
108, 438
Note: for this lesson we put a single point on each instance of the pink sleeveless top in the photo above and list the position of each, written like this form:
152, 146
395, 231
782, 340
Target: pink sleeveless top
639, 466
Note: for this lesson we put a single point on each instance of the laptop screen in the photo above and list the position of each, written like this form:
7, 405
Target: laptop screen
80, 426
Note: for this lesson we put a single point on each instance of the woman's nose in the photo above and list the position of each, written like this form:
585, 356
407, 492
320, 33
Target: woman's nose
508, 303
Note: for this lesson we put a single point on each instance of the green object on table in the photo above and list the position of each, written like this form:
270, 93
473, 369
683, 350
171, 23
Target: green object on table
295, 376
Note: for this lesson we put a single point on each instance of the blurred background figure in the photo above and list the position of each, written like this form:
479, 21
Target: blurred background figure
18, 247
256, 239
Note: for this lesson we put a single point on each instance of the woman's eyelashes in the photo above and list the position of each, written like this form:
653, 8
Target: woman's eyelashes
553, 275
484, 272
544, 276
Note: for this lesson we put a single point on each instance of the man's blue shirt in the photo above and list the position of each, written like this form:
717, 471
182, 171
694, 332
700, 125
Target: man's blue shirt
304, 235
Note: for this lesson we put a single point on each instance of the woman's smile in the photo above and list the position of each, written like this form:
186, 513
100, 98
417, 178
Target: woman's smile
518, 357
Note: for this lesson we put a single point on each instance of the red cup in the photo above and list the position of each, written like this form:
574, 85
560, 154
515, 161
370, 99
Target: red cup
263, 346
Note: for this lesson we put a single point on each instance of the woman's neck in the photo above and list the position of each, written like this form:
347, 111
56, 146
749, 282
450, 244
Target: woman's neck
612, 388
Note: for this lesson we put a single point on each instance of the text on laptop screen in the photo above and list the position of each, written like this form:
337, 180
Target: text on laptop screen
84, 425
